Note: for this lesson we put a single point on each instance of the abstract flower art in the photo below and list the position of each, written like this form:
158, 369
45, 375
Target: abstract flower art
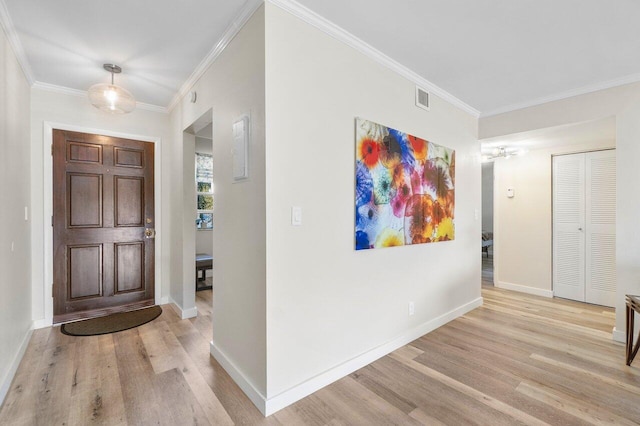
404, 188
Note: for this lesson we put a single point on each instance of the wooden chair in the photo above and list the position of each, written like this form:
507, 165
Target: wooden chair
633, 306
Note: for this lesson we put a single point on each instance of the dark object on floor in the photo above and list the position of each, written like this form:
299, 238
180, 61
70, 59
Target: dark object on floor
633, 305
203, 263
111, 323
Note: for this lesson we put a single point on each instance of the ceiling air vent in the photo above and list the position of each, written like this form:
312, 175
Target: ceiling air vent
422, 98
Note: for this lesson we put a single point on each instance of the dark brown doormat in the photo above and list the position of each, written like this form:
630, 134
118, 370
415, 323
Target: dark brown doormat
111, 323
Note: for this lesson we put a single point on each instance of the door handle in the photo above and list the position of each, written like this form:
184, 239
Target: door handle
149, 233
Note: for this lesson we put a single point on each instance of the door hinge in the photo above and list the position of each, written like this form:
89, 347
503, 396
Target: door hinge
52, 291
51, 149
51, 220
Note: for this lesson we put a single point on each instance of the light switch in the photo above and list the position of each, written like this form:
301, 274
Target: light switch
26, 213
510, 193
296, 216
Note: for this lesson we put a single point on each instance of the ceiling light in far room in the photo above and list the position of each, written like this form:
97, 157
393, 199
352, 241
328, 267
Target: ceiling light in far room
503, 152
111, 98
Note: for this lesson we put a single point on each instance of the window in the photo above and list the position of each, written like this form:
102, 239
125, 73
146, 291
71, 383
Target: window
204, 191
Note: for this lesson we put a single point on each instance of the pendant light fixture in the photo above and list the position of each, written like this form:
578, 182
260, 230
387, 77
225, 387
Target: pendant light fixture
111, 98
503, 152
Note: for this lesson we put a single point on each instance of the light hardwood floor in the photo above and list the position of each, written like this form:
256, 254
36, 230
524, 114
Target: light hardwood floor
519, 359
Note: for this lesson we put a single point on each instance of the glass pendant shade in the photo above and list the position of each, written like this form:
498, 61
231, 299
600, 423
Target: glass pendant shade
111, 98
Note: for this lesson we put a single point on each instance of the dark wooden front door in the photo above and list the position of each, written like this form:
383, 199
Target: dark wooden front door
103, 225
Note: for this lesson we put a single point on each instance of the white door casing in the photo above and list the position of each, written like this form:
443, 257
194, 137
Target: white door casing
47, 232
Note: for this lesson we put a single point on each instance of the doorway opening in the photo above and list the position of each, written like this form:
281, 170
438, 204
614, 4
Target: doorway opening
204, 205
524, 241
198, 221
487, 224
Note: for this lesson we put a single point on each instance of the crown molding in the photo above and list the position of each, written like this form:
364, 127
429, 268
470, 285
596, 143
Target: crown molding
609, 84
151, 107
232, 30
83, 94
7, 24
342, 35
59, 89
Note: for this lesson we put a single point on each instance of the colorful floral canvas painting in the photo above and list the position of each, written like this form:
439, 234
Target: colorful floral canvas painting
405, 188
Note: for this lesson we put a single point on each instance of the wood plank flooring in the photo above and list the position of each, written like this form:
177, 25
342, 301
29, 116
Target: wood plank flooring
487, 268
517, 360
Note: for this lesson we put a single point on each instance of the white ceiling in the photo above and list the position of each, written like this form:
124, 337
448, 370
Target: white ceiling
496, 54
493, 54
158, 43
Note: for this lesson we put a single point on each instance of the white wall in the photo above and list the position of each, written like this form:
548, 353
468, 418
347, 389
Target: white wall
623, 102
232, 86
188, 194
176, 225
487, 197
523, 234
47, 106
577, 109
628, 208
326, 303
15, 265
204, 145
204, 240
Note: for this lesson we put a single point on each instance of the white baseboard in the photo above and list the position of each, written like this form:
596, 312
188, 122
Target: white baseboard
296, 393
619, 336
189, 313
525, 289
316, 383
247, 387
184, 313
164, 300
6, 383
42, 323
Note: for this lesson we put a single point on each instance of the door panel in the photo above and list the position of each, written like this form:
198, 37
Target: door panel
84, 272
129, 157
129, 198
84, 153
103, 202
568, 226
129, 266
84, 195
601, 227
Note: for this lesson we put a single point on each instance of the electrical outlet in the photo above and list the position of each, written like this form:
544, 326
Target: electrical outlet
412, 309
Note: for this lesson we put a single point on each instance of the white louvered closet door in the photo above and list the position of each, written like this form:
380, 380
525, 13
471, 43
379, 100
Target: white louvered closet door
601, 227
568, 226
584, 226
